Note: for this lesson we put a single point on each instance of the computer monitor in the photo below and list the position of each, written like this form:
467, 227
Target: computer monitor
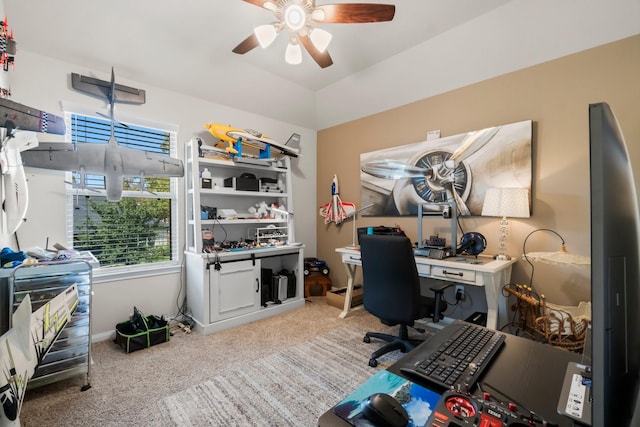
615, 278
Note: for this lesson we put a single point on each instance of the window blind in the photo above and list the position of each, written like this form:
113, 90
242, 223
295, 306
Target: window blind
141, 228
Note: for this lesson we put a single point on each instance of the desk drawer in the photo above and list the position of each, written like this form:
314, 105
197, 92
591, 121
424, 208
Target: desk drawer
454, 274
351, 259
423, 269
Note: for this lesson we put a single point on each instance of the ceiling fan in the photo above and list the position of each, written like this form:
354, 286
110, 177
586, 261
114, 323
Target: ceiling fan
301, 17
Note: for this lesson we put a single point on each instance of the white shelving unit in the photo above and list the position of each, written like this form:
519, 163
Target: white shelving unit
232, 284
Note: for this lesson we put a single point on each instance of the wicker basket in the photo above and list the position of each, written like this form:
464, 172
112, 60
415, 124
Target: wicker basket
547, 322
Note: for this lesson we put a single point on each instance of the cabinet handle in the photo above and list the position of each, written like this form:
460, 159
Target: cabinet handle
257, 285
459, 273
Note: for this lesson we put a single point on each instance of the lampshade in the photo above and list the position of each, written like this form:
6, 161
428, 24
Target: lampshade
320, 38
293, 54
560, 257
506, 202
265, 34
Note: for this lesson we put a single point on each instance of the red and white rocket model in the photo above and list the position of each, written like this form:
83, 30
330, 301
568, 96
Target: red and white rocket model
336, 210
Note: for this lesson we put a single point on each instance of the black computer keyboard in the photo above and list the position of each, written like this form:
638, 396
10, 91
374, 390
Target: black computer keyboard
459, 359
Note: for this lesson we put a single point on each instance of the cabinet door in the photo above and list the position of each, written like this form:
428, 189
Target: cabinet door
235, 289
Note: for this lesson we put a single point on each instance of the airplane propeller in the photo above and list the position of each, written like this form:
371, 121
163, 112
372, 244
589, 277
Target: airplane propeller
395, 170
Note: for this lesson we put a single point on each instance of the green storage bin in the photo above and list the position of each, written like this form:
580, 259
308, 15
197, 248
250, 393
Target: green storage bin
141, 332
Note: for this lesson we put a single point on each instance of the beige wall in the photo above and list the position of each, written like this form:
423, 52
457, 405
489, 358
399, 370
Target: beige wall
555, 95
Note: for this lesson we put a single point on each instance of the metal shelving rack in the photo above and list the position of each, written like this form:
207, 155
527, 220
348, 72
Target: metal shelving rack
70, 353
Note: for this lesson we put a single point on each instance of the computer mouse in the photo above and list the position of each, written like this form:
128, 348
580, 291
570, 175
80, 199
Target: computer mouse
385, 411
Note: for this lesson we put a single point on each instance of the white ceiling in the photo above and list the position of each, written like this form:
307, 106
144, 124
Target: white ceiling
185, 46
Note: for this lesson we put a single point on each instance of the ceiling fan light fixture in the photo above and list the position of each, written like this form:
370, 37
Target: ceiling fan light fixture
265, 34
293, 54
295, 16
269, 5
317, 15
320, 39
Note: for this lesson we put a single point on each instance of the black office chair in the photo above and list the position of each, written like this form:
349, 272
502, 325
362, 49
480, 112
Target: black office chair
392, 291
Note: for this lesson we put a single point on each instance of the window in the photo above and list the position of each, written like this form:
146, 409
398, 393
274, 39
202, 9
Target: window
140, 230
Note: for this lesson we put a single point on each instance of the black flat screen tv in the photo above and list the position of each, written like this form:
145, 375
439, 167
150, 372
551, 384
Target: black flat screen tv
615, 278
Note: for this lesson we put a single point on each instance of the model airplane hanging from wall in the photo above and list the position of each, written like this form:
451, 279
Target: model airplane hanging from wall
111, 160
336, 210
7, 45
18, 123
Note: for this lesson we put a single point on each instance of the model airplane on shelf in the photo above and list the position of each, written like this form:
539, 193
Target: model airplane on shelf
236, 138
111, 160
336, 210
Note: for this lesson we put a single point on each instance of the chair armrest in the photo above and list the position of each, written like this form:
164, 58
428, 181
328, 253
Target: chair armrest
439, 292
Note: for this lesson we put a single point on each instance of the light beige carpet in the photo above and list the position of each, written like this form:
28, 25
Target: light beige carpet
144, 387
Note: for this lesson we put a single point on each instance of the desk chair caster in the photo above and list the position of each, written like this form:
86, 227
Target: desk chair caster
372, 362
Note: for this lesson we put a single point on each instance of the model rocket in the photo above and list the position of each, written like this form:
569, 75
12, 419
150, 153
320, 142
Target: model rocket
336, 210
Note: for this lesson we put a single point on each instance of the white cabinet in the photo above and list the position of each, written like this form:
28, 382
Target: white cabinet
235, 289
235, 246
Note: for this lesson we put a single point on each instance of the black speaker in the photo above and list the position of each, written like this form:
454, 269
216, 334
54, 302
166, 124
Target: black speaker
266, 295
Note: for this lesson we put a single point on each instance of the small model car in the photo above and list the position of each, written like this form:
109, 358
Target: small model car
315, 264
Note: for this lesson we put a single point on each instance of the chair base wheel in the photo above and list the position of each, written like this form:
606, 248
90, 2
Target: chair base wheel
366, 339
373, 363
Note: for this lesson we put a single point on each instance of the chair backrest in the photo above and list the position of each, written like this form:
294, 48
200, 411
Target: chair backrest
391, 282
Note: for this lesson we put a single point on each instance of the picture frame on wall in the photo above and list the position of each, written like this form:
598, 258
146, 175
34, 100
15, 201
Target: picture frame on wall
459, 167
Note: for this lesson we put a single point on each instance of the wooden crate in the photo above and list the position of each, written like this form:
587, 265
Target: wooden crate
316, 284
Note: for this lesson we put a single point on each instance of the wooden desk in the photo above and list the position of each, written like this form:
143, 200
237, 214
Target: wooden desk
490, 274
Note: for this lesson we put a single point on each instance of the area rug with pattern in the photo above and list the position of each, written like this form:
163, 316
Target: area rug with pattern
293, 387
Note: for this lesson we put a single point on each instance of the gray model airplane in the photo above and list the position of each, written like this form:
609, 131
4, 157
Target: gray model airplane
111, 160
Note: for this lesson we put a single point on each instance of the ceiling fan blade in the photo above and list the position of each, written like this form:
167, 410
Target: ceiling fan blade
355, 13
259, 3
322, 58
246, 45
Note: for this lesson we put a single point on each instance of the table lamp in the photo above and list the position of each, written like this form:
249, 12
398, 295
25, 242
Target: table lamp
506, 202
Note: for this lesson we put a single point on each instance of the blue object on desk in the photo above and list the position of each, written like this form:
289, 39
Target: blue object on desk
418, 401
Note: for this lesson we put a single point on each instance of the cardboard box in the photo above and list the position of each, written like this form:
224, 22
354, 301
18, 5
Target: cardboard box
336, 297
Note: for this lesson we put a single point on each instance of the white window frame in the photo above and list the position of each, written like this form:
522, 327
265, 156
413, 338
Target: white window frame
139, 270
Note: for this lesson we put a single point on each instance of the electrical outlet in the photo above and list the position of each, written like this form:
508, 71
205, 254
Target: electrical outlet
460, 293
